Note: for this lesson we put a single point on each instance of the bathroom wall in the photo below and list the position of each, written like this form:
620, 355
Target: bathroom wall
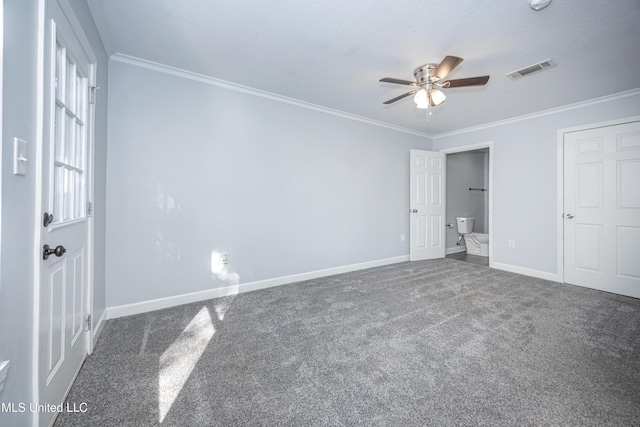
466, 170
486, 193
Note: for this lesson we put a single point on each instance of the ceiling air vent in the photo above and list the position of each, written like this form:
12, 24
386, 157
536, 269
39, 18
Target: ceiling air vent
542, 65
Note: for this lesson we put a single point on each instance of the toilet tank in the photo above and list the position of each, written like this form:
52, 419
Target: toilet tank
465, 224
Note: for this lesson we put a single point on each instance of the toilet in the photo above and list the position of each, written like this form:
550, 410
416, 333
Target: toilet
476, 243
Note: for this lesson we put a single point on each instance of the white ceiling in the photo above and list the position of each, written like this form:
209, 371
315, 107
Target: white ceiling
333, 52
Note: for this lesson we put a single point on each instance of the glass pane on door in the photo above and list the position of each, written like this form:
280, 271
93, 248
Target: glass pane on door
69, 139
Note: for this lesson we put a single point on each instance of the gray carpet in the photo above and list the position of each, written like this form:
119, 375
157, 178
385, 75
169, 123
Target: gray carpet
433, 343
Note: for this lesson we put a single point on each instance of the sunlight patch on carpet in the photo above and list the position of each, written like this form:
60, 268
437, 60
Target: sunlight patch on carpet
179, 360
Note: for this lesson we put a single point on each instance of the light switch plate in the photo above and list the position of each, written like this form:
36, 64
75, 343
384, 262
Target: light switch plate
19, 157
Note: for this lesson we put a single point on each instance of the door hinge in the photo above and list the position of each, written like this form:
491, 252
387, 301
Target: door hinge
89, 208
89, 324
92, 94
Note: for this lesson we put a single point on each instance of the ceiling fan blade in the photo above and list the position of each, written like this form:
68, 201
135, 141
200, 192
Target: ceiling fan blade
398, 98
445, 67
398, 81
471, 81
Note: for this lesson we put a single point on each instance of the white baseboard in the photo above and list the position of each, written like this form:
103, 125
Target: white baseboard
461, 248
526, 271
160, 303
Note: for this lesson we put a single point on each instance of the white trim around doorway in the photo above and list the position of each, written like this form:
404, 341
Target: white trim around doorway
472, 147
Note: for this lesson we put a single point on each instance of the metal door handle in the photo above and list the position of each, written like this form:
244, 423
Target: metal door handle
569, 216
413, 210
58, 251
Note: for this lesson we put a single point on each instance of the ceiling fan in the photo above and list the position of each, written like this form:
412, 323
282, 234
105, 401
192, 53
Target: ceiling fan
429, 81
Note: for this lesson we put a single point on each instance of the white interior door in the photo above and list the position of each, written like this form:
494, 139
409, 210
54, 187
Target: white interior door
427, 198
602, 208
63, 339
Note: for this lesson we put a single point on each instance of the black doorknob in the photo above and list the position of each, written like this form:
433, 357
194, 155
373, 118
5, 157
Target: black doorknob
58, 251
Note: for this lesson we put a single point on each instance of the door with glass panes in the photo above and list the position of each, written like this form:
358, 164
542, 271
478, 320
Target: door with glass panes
64, 302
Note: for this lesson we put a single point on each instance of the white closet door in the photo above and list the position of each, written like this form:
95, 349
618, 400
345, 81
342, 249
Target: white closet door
602, 208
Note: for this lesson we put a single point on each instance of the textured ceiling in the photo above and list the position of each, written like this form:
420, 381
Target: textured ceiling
333, 52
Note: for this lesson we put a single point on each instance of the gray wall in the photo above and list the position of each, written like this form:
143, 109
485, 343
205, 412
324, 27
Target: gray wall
525, 179
466, 170
17, 281
194, 168
18, 203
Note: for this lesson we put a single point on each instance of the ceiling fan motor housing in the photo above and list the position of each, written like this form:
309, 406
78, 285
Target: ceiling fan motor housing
423, 72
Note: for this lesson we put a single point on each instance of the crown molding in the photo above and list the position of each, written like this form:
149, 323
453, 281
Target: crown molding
202, 78
569, 107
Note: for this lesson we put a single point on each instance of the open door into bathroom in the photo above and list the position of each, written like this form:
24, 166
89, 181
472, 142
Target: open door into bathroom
427, 205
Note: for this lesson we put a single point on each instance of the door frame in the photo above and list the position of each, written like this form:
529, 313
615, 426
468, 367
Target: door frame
41, 74
473, 147
560, 172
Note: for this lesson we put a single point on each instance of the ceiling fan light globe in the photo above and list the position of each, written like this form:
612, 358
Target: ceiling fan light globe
437, 97
422, 105
421, 97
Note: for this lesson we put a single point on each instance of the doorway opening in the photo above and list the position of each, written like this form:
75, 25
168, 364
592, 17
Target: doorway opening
469, 197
